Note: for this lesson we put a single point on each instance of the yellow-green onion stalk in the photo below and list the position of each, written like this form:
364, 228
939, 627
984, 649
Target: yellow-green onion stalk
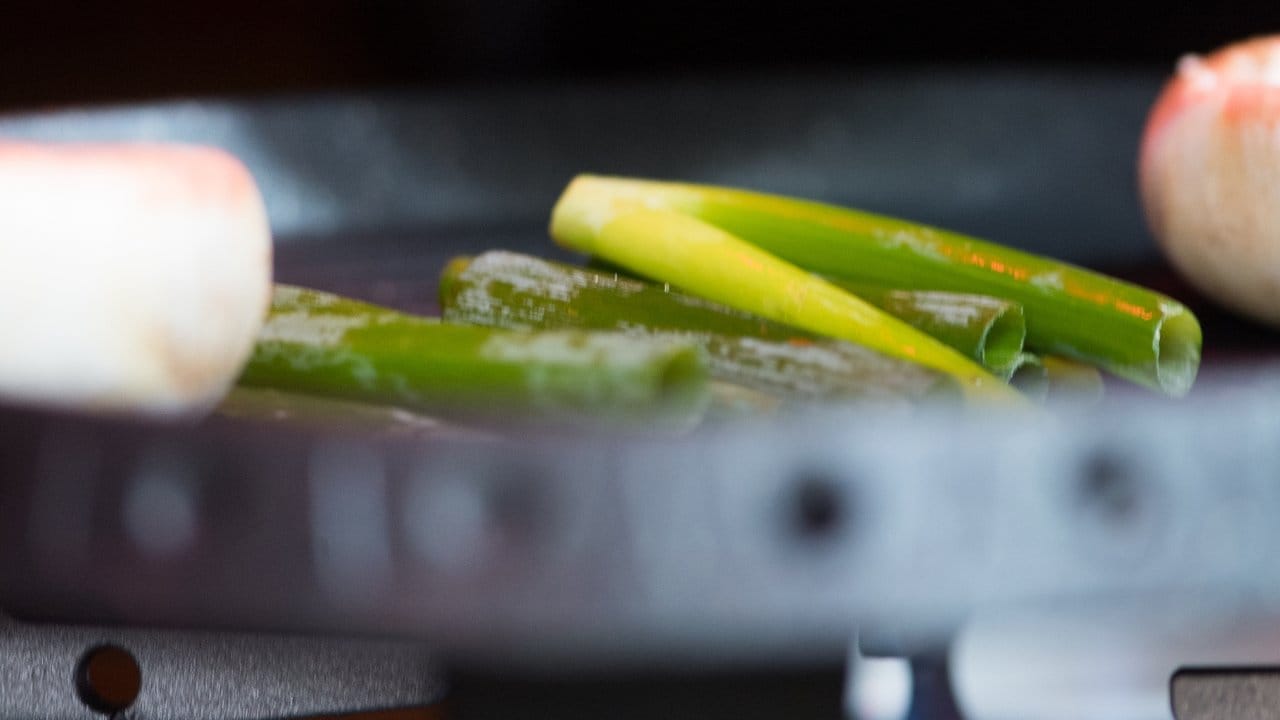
1135, 333
670, 246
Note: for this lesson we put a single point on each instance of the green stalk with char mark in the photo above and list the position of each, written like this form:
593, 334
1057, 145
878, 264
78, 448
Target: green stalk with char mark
518, 291
1135, 333
323, 344
1030, 376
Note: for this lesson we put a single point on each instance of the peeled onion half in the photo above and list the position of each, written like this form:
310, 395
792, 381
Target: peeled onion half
132, 277
1210, 174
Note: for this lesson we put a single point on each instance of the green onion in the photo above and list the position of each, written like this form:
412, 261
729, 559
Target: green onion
1132, 332
702, 259
266, 405
987, 329
517, 291
732, 402
1029, 375
1052, 379
1071, 381
322, 344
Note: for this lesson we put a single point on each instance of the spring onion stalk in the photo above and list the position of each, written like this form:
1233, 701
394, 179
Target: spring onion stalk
267, 405
730, 401
322, 344
705, 260
508, 290
1051, 379
1137, 334
987, 329
527, 292
1071, 381
1029, 375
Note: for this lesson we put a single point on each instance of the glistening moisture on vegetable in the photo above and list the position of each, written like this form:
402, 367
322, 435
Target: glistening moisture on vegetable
521, 292
1127, 330
708, 302
322, 344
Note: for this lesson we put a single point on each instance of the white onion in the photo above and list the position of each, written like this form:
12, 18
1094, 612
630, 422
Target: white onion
1210, 175
132, 277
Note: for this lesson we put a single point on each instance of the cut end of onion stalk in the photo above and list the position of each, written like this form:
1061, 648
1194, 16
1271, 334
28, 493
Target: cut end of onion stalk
1177, 353
987, 329
1030, 376
1210, 179
1002, 344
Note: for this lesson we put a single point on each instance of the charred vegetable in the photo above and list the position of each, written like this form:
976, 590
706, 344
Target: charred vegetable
517, 291
322, 344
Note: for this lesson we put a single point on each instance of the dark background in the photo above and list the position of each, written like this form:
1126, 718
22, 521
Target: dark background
58, 53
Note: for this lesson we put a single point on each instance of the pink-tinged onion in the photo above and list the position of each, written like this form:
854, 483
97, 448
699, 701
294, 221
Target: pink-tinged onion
1210, 174
132, 277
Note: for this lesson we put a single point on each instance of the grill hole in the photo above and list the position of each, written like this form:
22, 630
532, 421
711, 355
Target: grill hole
818, 510
108, 679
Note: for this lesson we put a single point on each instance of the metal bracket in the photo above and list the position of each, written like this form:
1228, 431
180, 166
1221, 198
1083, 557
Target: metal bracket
212, 676
1225, 694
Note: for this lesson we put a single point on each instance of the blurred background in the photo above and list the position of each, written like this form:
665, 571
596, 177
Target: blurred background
58, 53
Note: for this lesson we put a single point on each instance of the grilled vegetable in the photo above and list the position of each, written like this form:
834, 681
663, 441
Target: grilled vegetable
322, 344
733, 402
987, 329
1029, 375
1072, 381
700, 258
1135, 333
270, 406
517, 291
